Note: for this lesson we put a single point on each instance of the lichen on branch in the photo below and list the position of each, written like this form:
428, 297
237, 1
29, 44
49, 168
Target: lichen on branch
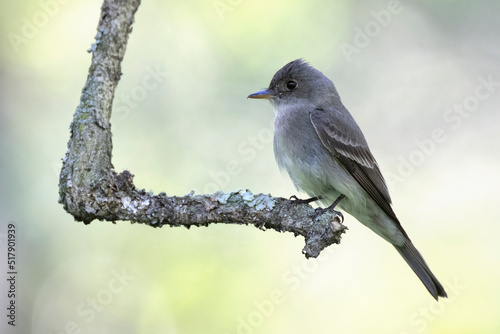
90, 189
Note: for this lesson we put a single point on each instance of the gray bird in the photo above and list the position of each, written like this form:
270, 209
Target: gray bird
320, 145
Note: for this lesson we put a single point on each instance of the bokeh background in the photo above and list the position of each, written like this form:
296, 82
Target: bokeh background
422, 78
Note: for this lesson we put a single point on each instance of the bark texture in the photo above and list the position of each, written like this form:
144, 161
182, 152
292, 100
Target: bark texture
90, 189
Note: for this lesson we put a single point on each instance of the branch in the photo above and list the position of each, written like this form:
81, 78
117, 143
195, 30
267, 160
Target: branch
90, 189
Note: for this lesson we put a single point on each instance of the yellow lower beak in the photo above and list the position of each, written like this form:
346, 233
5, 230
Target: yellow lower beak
263, 94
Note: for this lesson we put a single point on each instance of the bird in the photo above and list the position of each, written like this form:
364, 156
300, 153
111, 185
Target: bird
323, 150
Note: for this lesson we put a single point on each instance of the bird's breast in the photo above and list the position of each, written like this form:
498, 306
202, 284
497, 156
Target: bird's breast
299, 151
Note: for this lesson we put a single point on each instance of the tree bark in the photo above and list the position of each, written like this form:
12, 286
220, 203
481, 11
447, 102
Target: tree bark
90, 189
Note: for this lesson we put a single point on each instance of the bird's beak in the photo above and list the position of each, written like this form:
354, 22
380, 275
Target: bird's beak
263, 94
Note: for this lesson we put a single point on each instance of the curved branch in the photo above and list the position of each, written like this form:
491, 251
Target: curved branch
90, 189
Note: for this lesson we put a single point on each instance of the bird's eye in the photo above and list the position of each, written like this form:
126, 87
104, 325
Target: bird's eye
291, 84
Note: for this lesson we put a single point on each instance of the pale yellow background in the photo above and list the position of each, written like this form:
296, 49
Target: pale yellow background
184, 126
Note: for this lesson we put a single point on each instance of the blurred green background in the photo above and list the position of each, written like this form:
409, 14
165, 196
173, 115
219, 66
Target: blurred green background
404, 69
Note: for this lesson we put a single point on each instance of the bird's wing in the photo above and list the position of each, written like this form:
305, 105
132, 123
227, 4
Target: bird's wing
342, 137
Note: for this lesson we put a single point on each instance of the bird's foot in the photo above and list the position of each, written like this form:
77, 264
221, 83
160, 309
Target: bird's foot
331, 208
321, 211
304, 201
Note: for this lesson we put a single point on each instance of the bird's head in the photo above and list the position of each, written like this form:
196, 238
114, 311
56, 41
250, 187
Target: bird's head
297, 82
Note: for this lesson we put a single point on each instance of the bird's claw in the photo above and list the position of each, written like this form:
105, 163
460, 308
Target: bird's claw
303, 201
321, 211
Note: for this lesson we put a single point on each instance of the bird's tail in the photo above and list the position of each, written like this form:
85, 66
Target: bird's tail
417, 263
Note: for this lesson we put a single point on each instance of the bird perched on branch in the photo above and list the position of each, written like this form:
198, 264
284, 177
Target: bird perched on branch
320, 145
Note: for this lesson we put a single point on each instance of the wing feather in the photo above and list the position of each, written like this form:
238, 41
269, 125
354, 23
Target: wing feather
342, 137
